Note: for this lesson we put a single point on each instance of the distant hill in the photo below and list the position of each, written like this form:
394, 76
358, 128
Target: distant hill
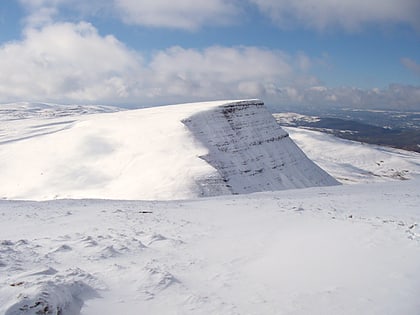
25, 110
407, 138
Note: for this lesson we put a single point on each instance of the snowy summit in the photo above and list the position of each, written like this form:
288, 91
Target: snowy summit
169, 152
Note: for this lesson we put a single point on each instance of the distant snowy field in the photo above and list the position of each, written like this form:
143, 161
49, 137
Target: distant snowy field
354, 162
349, 249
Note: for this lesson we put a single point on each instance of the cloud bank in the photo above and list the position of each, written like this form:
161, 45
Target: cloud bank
320, 15
395, 97
72, 63
182, 14
351, 16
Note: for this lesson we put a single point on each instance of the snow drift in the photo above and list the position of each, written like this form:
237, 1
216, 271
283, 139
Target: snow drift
169, 152
345, 250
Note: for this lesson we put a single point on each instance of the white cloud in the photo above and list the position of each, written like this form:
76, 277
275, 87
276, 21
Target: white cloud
349, 15
66, 62
43, 12
190, 15
182, 14
40, 3
40, 12
219, 72
304, 62
411, 65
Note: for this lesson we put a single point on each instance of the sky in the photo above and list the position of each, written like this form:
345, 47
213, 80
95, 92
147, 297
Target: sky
139, 53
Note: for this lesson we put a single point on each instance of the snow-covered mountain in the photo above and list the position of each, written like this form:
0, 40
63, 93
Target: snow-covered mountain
170, 152
345, 250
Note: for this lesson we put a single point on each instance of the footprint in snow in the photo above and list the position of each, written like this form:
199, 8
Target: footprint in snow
88, 241
6, 243
62, 248
109, 252
155, 281
54, 293
160, 239
47, 271
138, 243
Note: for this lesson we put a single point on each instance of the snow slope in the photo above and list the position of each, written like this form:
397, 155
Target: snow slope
170, 152
353, 162
349, 249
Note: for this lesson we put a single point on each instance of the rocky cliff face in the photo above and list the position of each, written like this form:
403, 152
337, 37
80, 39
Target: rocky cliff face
251, 152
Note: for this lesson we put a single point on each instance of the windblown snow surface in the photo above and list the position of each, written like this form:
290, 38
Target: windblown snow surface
347, 249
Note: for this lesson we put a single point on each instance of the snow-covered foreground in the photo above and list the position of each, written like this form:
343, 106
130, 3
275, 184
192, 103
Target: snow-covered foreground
330, 250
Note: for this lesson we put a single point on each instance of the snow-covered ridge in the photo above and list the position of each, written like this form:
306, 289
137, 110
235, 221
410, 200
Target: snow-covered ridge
24, 110
170, 152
